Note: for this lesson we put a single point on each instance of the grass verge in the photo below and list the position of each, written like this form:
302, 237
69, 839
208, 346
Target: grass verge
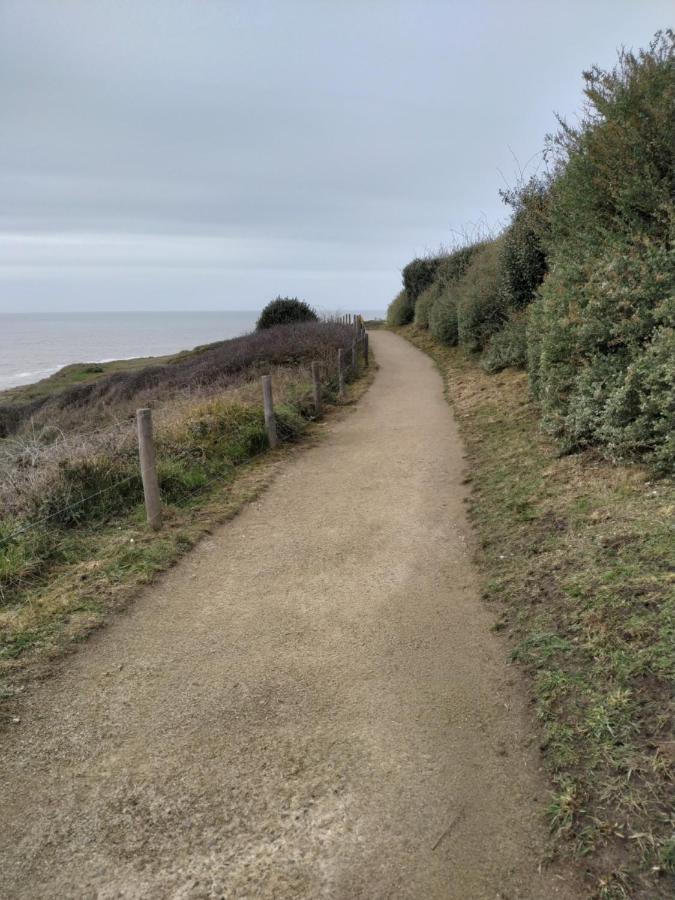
578, 554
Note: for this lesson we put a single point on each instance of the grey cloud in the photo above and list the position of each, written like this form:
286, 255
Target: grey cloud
234, 142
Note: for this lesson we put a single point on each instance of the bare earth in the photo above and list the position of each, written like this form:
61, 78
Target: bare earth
311, 705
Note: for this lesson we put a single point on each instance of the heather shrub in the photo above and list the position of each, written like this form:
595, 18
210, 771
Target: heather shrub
508, 347
423, 306
285, 311
401, 310
481, 307
601, 334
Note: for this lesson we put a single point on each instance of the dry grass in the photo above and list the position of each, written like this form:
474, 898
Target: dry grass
95, 568
578, 554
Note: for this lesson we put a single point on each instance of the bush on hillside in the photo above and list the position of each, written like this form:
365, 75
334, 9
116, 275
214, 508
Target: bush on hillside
423, 306
508, 347
443, 316
601, 333
523, 262
454, 265
285, 311
401, 310
418, 275
481, 307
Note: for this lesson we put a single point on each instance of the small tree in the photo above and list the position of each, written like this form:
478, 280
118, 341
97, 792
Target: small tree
285, 311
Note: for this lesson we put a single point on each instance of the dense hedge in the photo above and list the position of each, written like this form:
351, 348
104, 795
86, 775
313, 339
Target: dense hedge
401, 310
601, 356
418, 275
580, 287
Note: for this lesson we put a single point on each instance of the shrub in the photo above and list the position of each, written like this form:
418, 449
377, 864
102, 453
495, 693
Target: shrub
481, 307
454, 265
523, 261
418, 275
423, 306
443, 317
508, 347
602, 329
285, 311
401, 310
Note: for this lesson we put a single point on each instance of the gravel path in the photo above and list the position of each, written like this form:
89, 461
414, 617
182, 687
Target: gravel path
311, 705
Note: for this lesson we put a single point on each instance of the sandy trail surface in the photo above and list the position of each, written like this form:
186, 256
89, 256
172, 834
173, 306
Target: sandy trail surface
311, 705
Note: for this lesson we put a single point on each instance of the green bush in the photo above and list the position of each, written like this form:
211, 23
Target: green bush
508, 347
423, 306
443, 316
601, 332
401, 310
454, 265
418, 275
284, 311
523, 261
481, 307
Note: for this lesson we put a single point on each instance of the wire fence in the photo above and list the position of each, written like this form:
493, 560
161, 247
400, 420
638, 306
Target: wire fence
301, 404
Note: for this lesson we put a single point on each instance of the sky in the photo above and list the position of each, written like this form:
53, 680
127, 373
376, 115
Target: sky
212, 154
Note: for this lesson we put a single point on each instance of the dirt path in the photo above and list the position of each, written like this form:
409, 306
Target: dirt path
310, 706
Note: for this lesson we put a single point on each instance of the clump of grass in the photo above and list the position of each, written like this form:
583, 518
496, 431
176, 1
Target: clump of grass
578, 556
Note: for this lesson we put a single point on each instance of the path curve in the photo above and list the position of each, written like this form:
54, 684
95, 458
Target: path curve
311, 705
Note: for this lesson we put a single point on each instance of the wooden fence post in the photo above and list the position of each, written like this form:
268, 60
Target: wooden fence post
270, 419
365, 348
341, 375
146, 453
316, 385
355, 358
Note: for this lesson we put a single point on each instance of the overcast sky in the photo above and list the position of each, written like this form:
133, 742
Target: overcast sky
207, 154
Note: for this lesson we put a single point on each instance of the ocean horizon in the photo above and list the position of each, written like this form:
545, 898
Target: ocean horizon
34, 346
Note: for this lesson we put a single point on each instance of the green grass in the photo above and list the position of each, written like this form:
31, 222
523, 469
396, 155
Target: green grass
578, 560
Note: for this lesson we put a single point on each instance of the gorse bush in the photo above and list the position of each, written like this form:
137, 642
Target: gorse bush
424, 303
523, 260
602, 333
443, 316
580, 286
286, 311
443, 313
418, 275
508, 347
481, 307
401, 310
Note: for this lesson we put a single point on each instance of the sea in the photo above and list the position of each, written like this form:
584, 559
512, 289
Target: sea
35, 345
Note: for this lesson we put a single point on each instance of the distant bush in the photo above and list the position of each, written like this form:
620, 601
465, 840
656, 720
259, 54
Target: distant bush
401, 310
600, 345
481, 307
423, 306
508, 347
418, 275
285, 311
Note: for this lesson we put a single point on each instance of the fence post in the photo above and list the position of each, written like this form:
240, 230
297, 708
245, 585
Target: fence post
146, 453
365, 348
341, 375
355, 359
268, 404
316, 385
